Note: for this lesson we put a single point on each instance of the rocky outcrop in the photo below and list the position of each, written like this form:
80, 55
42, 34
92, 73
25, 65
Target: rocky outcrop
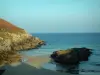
12, 39
71, 56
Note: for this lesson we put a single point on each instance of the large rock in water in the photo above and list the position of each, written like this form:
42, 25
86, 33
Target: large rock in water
71, 56
12, 39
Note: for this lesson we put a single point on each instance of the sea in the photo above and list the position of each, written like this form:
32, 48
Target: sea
62, 41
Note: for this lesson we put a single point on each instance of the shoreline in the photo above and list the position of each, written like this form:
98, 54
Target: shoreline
36, 61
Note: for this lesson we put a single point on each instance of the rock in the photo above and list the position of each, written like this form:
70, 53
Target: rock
13, 39
71, 56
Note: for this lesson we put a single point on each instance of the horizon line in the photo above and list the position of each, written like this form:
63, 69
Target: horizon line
65, 33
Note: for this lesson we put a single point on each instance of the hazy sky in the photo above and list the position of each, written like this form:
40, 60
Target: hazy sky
49, 16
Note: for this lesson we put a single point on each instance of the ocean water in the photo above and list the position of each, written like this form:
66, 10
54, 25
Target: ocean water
57, 41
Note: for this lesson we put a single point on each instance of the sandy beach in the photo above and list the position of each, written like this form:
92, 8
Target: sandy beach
36, 61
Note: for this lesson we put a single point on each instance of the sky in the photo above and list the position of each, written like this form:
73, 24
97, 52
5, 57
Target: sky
53, 16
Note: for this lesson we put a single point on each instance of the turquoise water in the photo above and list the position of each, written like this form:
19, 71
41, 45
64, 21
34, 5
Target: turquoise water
56, 41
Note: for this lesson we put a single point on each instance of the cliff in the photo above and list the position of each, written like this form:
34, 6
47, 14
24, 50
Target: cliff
12, 39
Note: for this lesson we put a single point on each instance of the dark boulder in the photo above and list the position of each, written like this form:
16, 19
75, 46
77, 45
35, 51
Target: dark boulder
71, 56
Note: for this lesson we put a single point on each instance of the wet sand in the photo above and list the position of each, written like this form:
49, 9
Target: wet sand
36, 61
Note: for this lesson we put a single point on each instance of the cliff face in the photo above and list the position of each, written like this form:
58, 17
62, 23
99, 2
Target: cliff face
12, 39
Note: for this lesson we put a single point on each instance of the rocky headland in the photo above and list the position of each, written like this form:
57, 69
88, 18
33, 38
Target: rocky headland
13, 39
71, 56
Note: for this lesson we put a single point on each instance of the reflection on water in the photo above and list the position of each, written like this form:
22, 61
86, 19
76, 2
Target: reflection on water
77, 69
73, 69
70, 69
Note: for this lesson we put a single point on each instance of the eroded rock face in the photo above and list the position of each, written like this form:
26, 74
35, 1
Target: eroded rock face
71, 56
12, 39
9, 57
20, 41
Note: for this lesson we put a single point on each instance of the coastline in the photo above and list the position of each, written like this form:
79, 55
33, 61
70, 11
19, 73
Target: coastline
25, 69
